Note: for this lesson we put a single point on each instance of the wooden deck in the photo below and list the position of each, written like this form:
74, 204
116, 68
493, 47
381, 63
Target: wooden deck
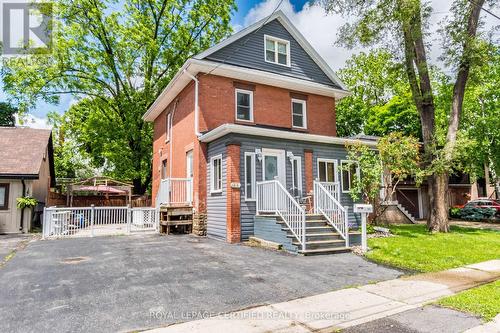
176, 219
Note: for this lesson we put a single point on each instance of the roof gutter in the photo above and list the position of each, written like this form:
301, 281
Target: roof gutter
278, 134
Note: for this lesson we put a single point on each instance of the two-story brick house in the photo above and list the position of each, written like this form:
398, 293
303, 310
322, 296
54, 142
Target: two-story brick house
252, 122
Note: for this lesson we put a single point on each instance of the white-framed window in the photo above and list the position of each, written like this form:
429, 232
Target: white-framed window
250, 176
299, 117
168, 125
164, 169
349, 170
277, 50
216, 174
189, 164
296, 176
244, 105
327, 170
4, 196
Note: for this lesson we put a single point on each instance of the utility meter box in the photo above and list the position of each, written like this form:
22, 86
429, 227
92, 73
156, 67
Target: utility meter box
363, 208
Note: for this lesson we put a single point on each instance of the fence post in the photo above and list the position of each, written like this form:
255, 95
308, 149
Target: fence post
128, 219
276, 197
346, 227
44, 224
92, 210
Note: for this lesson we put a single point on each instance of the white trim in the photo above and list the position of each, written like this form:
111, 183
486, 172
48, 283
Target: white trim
335, 167
253, 176
212, 174
358, 174
299, 178
277, 40
279, 134
189, 156
304, 112
195, 66
283, 19
243, 91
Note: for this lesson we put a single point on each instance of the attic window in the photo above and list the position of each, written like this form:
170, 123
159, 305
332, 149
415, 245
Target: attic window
277, 50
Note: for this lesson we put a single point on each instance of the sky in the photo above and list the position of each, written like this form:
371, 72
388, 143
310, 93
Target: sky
311, 20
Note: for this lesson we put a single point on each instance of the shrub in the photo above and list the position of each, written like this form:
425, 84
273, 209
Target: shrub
477, 213
455, 212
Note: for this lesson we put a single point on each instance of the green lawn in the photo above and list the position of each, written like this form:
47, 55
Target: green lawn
415, 249
482, 301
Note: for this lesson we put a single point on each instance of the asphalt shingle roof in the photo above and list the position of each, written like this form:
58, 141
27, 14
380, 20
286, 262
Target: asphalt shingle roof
22, 150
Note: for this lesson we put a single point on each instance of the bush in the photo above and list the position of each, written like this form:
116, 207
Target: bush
477, 213
455, 212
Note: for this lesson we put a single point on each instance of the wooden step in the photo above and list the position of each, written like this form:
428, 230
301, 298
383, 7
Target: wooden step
332, 250
321, 243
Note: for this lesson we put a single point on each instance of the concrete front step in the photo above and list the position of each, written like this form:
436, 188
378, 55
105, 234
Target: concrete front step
333, 250
319, 236
322, 244
310, 223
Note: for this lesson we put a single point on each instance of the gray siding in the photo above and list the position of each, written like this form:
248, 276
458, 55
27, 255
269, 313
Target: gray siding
248, 52
216, 202
249, 144
268, 229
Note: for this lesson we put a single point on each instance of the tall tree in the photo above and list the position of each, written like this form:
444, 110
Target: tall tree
7, 114
403, 24
117, 56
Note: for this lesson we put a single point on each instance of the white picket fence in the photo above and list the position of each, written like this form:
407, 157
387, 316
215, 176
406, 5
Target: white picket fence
97, 221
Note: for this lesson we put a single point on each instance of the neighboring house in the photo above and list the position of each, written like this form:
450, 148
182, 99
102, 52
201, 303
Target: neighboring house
26, 169
259, 106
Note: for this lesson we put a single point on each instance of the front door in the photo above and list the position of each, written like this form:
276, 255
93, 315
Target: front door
273, 165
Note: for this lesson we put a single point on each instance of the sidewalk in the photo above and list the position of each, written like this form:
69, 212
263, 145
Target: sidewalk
346, 307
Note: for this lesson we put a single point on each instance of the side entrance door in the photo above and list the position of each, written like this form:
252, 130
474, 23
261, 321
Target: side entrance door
273, 165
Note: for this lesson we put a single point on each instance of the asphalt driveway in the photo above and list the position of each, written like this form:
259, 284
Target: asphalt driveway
127, 283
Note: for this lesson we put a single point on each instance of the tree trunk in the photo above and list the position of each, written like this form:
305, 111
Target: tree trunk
438, 214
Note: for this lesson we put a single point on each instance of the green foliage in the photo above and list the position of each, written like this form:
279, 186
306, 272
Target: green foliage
477, 213
397, 157
116, 58
70, 159
455, 212
368, 185
414, 248
481, 301
7, 114
26, 202
397, 115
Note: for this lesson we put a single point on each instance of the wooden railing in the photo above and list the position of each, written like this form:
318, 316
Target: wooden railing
273, 198
175, 192
326, 204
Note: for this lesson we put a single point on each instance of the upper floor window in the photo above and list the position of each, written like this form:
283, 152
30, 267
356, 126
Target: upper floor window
244, 105
277, 50
299, 113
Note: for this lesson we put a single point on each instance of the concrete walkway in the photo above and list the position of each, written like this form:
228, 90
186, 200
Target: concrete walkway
347, 307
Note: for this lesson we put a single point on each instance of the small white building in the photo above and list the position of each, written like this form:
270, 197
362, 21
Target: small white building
26, 169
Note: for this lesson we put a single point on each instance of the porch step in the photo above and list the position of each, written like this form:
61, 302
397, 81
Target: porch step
310, 223
314, 229
332, 250
315, 217
319, 236
322, 244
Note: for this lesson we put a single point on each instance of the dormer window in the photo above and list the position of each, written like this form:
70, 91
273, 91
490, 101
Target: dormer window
277, 50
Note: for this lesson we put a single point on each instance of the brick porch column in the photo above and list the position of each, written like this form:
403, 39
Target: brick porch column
233, 227
308, 164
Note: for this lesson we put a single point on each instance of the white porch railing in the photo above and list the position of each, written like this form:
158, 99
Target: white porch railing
333, 188
175, 191
95, 221
273, 198
325, 203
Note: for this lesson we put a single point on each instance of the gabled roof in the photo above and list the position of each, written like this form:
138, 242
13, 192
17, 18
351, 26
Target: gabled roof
283, 19
22, 151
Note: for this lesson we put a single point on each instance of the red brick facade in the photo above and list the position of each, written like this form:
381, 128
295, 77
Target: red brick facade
308, 165
272, 107
233, 230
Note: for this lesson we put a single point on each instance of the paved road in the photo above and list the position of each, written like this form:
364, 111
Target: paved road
125, 283
429, 319
12, 242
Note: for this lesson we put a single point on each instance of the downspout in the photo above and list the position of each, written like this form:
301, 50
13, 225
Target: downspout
22, 210
171, 139
196, 105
